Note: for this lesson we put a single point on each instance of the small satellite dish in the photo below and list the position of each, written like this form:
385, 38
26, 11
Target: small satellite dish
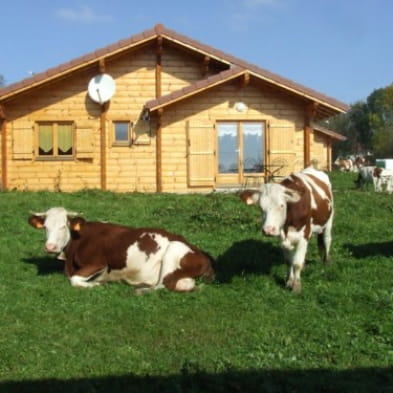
101, 88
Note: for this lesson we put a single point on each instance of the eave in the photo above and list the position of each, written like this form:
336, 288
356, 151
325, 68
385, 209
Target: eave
327, 106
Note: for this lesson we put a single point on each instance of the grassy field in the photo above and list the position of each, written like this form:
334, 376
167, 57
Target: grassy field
243, 333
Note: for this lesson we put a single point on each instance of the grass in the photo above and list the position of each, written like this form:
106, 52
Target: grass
243, 333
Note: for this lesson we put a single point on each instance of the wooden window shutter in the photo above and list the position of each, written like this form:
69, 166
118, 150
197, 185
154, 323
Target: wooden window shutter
282, 145
84, 142
22, 140
200, 154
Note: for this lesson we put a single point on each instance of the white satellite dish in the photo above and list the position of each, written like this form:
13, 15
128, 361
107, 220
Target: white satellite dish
101, 88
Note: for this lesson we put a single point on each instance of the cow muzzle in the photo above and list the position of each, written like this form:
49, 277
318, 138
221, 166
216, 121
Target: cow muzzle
50, 247
270, 231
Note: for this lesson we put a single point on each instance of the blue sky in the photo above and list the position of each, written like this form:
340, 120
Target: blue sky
342, 48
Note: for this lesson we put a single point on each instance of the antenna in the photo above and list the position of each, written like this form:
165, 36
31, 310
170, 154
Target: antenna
101, 88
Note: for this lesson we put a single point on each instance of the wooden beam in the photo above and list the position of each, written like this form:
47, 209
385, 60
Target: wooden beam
104, 110
102, 65
2, 112
310, 114
159, 150
245, 80
205, 65
3, 130
158, 66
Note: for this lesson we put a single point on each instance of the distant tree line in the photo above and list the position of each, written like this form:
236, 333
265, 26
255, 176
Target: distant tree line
2, 82
368, 126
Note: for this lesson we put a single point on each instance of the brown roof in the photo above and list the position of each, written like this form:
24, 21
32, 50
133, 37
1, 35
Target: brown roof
330, 133
332, 105
195, 88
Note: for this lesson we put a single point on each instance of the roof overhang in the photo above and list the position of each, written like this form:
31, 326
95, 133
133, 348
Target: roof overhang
327, 106
329, 133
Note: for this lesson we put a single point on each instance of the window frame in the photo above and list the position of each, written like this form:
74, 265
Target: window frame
55, 156
130, 139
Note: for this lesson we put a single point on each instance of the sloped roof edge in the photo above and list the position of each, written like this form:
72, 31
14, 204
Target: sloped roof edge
160, 30
258, 71
195, 88
326, 131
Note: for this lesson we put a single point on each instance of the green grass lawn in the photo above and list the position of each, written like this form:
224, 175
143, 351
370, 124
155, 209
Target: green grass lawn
243, 333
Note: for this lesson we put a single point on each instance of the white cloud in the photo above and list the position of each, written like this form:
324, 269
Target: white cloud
84, 14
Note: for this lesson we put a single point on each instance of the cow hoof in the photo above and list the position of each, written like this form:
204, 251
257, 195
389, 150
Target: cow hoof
142, 291
296, 287
289, 283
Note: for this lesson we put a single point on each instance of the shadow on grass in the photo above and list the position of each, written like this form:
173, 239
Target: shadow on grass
376, 380
46, 265
384, 249
247, 257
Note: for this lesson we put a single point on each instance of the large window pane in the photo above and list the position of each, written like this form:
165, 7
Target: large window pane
45, 139
253, 147
64, 139
228, 150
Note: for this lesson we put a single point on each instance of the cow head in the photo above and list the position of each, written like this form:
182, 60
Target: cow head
272, 199
55, 221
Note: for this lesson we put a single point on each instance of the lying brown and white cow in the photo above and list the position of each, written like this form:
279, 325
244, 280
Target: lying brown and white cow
302, 204
98, 252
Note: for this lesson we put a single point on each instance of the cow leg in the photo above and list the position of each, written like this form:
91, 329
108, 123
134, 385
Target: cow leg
325, 240
87, 278
297, 265
179, 271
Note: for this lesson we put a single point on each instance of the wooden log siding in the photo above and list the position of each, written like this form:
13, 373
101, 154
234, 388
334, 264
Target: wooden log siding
310, 114
159, 150
3, 131
156, 162
3, 141
103, 133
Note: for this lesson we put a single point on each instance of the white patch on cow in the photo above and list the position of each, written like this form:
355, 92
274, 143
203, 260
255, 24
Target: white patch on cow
57, 231
149, 269
312, 186
185, 284
83, 282
173, 256
273, 205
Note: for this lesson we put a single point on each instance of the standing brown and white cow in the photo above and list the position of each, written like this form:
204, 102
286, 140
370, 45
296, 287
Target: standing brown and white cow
98, 252
302, 204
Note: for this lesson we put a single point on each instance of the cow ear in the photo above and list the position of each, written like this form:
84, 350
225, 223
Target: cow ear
292, 196
36, 222
250, 197
77, 223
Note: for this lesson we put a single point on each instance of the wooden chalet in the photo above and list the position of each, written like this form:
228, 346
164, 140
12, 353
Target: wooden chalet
184, 117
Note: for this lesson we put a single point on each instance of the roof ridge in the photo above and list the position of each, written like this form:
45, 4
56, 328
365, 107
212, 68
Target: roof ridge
160, 30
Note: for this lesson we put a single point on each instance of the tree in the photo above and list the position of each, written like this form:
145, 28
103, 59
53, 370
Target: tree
368, 126
380, 105
355, 126
1, 81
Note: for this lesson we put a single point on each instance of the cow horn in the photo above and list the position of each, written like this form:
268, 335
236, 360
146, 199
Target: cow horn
73, 214
38, 214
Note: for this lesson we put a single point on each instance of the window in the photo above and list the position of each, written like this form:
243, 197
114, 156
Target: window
122, 133
55, 139
240, 146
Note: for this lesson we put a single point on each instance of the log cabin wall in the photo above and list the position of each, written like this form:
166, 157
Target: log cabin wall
132, 167
215, 105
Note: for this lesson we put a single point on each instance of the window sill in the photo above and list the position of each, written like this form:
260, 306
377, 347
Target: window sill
121, 144
69, 158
